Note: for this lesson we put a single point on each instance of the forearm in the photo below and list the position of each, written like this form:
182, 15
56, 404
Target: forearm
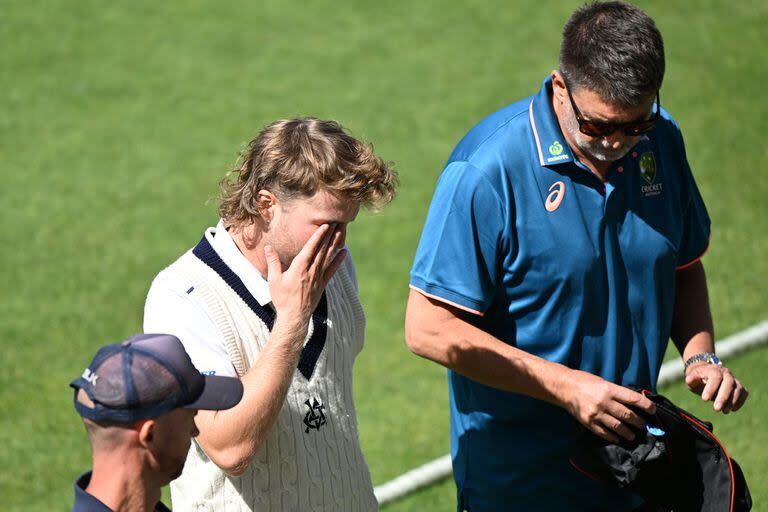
692, 329
439, 332
491, 362
232, 437
465, 349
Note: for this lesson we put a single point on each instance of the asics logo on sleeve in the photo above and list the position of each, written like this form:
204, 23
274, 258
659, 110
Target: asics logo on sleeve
555, 197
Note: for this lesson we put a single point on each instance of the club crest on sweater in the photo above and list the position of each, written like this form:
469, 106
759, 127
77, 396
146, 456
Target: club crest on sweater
315, 417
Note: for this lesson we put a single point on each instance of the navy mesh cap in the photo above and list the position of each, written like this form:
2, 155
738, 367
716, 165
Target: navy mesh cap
147, 376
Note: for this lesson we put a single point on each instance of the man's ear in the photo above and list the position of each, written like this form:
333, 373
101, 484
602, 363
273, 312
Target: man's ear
266, 202
559, 90
147, 431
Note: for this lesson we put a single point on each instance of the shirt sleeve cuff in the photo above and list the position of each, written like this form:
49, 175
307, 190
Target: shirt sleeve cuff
695, 260
448, 297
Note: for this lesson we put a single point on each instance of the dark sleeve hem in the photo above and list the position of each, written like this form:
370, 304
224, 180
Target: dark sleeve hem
695, 260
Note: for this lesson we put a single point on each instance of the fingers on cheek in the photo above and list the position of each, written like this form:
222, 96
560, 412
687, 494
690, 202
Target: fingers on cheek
338, 240
330, 238
338, 245
335, 234
326, 240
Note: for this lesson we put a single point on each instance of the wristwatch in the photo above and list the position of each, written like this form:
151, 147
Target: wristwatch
708, 357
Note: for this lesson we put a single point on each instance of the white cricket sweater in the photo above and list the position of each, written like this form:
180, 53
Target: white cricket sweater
311, 460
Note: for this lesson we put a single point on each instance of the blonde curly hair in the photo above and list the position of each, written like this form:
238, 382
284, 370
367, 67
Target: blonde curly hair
295, 158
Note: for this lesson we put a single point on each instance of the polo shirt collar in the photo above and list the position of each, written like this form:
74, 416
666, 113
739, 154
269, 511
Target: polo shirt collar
85, 502
225, 247
550, 143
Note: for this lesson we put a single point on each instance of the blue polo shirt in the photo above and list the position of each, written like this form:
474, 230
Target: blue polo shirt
554, 262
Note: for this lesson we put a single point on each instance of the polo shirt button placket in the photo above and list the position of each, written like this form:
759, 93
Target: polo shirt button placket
610, 185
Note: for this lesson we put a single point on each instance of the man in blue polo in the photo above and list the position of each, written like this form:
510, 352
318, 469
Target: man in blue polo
560, 253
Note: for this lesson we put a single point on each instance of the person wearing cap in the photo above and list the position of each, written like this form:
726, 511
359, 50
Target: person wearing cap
560, 252
270, 295
138, 400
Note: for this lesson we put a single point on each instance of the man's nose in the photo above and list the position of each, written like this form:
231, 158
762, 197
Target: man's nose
615, 139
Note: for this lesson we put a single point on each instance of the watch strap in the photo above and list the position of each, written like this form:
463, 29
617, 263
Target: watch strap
707, 357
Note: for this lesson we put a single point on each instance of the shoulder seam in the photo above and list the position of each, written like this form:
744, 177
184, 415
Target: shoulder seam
499, 127
488, 182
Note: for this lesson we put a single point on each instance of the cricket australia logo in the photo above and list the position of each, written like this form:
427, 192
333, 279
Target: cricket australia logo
648, 172
315, 418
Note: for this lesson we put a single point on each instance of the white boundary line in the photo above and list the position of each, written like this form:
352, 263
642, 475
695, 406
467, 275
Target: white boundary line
730, 346
414, 480
440, 468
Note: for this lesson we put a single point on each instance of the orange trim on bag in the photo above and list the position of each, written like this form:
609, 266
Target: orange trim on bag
727, 457
584, 472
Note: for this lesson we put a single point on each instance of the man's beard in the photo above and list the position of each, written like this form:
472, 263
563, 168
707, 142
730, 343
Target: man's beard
596, 147
284, 245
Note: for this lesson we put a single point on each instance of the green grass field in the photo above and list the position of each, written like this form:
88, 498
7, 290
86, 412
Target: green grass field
118, 119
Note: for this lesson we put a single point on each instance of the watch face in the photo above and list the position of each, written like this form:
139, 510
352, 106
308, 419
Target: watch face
713, 359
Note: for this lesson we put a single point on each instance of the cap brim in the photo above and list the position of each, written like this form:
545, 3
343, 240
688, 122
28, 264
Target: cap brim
219, 393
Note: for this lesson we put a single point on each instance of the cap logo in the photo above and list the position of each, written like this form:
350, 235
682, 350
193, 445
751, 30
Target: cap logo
90, 376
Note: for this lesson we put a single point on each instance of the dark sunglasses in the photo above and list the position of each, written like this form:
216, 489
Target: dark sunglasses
603, 129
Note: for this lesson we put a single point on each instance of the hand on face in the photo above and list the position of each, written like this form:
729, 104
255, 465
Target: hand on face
297, 290
716, 383
605, 408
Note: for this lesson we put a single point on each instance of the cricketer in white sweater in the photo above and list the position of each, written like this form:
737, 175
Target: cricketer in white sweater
218, 304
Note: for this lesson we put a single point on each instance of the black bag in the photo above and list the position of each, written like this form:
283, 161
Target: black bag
676, 463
